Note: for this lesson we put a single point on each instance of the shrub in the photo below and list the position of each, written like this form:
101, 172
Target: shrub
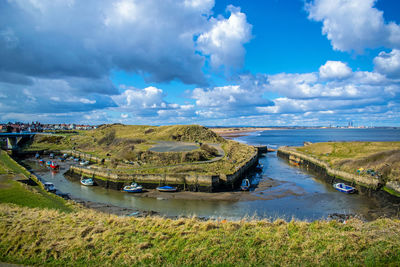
107, 139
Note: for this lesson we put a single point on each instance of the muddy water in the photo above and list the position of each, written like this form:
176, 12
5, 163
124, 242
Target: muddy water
279, 190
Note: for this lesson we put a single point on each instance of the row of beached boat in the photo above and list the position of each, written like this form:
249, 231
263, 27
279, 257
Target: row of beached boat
132, 188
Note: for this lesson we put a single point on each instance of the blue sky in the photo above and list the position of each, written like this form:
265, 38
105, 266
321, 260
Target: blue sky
271, 63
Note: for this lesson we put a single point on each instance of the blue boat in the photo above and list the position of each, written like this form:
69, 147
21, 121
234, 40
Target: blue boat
245, 186
133, 188
344, 188
167, 188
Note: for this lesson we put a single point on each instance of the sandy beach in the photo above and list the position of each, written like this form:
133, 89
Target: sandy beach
232, 132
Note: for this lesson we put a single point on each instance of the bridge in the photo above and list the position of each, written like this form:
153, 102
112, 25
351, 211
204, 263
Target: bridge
13, 139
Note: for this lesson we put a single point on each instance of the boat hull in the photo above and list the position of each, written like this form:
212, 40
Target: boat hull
134, 190
167, 189
341, 187
87, 182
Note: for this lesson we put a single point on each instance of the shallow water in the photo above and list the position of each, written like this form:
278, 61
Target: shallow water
287, 191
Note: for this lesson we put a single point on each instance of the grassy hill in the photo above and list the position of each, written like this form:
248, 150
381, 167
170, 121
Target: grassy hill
116, 136
122, 143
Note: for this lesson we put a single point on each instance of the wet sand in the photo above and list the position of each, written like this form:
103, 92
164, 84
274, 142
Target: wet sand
267, 189
232, 132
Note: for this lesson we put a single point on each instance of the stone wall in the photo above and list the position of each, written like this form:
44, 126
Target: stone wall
190, 182
363, 184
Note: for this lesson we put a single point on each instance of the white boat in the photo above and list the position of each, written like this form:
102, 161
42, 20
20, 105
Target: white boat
344, 188
84, 162
49, 187
88, 181
133, 188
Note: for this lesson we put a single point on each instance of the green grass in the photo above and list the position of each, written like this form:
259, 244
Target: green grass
383, 157
121, 143
12, 191
20, 194
82, 238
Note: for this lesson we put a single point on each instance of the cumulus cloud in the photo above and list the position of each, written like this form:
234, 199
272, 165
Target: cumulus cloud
388, 63
224, 41
148, 102
354, 25
54, 96
65, 50
147, 98
334, 70
228, 101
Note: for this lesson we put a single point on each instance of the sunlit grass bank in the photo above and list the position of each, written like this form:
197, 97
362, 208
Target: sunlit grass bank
14, 191
381, 157
88, 238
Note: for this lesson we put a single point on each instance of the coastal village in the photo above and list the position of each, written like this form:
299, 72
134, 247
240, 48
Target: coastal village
18, 127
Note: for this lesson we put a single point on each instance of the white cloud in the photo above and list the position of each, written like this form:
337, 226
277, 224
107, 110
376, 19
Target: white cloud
147, 98
388, 63
354, 24
334, 70
224, 41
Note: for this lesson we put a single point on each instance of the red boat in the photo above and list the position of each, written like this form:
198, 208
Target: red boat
54, 165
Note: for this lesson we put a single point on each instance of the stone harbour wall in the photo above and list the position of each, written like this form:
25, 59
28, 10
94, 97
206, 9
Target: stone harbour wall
362, 183
184, 181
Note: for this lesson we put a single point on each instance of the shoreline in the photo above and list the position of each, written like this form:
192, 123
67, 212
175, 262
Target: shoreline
232, 132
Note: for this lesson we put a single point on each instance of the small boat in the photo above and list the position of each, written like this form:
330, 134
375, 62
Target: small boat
167, 188
245, 186
62, 159
88, 181
65, 155
84, 162
49, 187
37, 155
294, 162
76, 159
41, 161
344, 188
54, 165
133, 188
52, 155
48, 163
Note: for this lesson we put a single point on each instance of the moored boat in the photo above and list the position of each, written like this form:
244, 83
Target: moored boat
88, 182
167, 188
84, 162
245, 186
49, 187
133, 188
37, 155
344, 188
54, 165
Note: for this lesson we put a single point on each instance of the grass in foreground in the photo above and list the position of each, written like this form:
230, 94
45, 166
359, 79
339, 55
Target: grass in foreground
13, 191
48, 237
